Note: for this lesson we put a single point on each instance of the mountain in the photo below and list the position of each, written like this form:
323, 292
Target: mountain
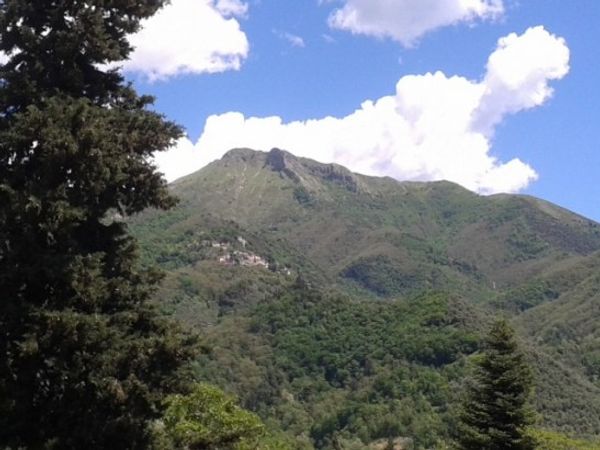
320, 291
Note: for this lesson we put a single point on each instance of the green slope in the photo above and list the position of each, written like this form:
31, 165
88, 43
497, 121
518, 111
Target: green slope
351, 227
375, 243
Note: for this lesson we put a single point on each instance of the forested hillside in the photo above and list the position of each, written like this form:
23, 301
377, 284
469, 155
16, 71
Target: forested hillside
345, 309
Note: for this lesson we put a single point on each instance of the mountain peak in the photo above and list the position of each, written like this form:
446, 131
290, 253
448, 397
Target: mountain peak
242, 153
276, 159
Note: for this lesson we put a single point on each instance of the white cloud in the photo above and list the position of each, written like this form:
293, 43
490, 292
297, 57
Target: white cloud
407, 20
518, 73
294, 40
434, 126
232, 8
328, 38
190, 36
3, 58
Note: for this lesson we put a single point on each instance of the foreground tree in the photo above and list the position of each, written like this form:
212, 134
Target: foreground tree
495, 413
207, 418
84, 360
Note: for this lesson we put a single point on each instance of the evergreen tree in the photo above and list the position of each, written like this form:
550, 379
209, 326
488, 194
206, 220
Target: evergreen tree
495, 412
84, 360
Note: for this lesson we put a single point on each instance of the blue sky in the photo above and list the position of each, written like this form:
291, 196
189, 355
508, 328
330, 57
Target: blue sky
497, 95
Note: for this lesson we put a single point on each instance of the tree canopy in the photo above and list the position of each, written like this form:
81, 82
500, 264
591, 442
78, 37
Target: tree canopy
495, 413
86, 361
207, 418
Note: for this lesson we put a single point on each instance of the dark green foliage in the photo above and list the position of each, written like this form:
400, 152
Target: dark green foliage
495, 413
85, 359
57, 47
313, 333
524, 243
527, 296
336, 367
381, 276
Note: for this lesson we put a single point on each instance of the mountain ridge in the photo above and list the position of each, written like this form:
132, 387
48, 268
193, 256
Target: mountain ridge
243, 183
369, 241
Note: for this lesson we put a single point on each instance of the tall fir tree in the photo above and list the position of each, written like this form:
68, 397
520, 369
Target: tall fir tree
495, 413
85, 361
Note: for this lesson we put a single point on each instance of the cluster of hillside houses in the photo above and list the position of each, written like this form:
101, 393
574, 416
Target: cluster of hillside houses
228, 256
231, 255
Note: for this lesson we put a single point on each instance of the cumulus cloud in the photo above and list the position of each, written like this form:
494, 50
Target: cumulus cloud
518, 73
407, 20
190, 36
434, 127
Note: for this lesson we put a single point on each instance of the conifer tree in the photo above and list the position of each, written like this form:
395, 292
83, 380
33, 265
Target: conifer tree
495, 413
84, 360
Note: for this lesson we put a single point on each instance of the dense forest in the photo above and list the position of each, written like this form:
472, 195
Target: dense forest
368, 321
